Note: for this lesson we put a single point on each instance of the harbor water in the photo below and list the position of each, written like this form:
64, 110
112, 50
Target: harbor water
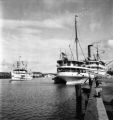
38, 99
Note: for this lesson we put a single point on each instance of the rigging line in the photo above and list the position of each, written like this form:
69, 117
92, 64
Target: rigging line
81, 49
99, 58
109, 62
71, 52
99, 49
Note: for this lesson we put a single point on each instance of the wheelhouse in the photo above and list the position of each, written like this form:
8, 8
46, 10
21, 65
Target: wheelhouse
67, 69
20, 71
95, 62
69, 63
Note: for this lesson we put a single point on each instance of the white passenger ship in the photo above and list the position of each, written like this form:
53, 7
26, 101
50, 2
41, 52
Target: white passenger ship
20, 72
72, 71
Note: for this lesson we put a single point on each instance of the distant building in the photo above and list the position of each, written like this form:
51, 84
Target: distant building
37, 74
49, 75
4, 75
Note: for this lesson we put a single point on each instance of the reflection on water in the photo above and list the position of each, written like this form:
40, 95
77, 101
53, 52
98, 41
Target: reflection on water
39, 99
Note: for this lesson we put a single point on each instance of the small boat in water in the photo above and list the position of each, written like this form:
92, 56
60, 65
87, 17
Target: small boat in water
20, 72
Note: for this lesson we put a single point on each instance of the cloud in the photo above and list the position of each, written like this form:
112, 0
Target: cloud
95, 26
25, 38
38, 29
1, 50
52, 23
49, 3
54, 3
110, 42
45, 23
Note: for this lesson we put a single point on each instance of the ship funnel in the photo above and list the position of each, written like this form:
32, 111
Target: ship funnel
89, 51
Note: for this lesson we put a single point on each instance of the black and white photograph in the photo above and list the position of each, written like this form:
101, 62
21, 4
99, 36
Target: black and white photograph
56, 59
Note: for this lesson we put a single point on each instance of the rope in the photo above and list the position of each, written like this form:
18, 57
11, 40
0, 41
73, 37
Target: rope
81, 49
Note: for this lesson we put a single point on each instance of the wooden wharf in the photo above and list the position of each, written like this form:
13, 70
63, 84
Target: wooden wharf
90, 107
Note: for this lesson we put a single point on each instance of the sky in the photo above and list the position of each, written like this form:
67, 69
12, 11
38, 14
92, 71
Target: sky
37, 30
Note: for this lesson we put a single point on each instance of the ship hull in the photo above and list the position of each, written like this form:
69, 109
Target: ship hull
71, 78
99, 72
21, 77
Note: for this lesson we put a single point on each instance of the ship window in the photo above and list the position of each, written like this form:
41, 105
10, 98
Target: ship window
59, 69
78, 70
73, 70
68, 63
81, 70
84, 71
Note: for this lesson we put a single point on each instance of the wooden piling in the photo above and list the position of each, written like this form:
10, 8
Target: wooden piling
78, 101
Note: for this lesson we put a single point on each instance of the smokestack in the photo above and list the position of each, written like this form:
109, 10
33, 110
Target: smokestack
89, 51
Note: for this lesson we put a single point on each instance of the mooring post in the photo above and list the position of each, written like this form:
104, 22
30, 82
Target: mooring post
90, 83
97, 82
78, 101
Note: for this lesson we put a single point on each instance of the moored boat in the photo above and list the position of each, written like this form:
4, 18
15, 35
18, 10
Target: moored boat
20, 72
72, 71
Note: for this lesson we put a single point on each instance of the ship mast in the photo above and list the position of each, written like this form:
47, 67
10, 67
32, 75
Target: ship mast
76, 37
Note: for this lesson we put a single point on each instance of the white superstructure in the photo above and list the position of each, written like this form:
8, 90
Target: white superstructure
98, 67
72, 71
20, 72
